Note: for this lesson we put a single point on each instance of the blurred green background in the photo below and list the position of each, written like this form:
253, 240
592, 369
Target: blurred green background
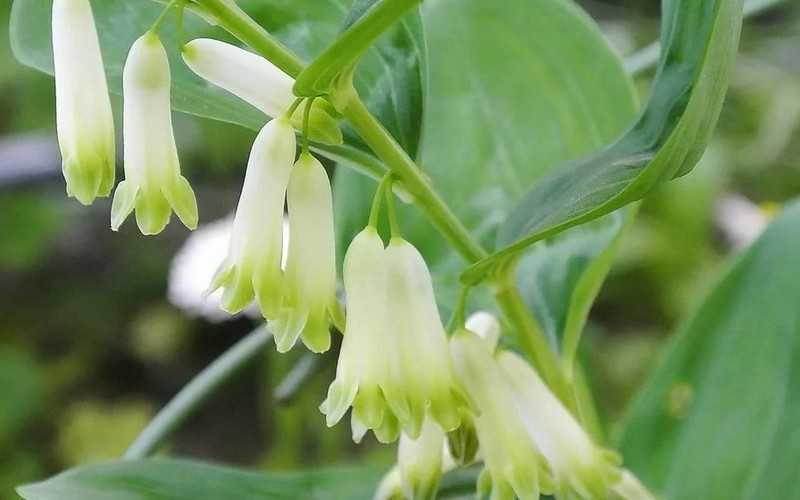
91, 347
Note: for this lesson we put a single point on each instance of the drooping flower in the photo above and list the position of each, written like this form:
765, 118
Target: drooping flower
259, 83
512, 464
252, 268
579, 467
630, 488
153, 182
424, 380
390, 487
84, 120
463, 442
365, 358
420, 462
309, 298
394, 365
420, 465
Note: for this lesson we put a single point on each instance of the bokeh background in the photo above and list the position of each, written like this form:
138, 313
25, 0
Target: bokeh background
94, 338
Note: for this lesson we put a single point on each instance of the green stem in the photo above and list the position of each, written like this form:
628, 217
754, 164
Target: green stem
236, 22
306, 118
160, 19
305, 367
457, 320
347, 49
196, 392
391, 210
377, 201
290, 112
395, 157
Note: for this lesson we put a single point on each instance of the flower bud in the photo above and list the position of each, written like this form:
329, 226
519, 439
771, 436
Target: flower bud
252, 268
83, 109
629, 488
578, 466
310, 282
486, 326
153, 182
364, 359
424, 379
420, 462
513, 465
463, 442
259, 83
390, 487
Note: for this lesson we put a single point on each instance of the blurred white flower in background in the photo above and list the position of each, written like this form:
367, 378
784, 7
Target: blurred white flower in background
740, 220
194, 265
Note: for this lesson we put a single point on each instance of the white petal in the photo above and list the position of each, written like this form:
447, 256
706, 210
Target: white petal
364, 355
486, 326
512, 459
420, 461
151, 157
310, 281
244, 74
416, 328
83, 109
574, 459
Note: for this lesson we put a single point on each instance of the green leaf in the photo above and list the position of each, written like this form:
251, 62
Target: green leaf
700, 41
508, 98
718, 419
389, 76
363, 26
561, 277
357, 11
162, 479
170, 479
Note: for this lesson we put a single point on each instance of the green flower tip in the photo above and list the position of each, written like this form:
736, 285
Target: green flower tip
154, 206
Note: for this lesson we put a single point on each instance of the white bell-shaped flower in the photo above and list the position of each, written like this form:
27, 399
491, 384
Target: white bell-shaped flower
420, 465
365, 359
258, 82
513, 465
420, 462
309, 290
390, 487
252, 268
83, 109
423, 381
579, 467
630, 488
463, 442
153, 182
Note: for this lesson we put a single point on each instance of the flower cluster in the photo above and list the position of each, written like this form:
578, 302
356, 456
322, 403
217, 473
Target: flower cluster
449, 400
299, 300
529, 442
394, 369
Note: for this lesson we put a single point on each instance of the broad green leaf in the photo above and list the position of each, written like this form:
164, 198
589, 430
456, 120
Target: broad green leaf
718, 419
514, 89
388, 76
357, 10
561, 277
162, 479
169, 479
700, 41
